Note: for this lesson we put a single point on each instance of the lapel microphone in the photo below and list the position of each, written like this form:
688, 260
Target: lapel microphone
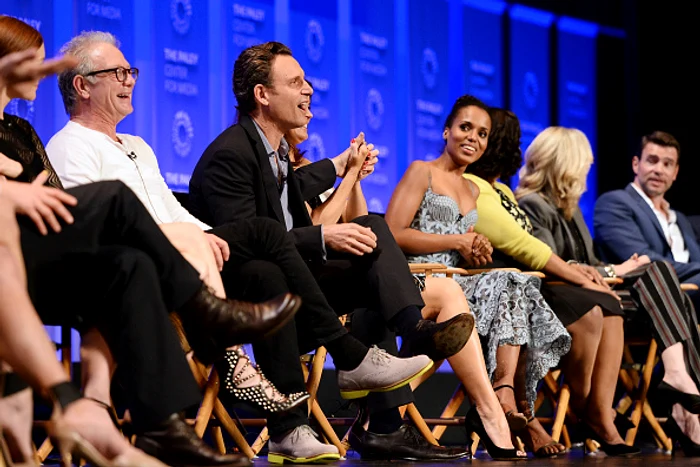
131, 155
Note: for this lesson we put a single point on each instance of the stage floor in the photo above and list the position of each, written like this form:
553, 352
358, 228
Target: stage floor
575, 456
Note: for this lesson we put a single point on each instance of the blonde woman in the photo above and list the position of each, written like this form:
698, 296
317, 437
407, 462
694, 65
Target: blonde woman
590, 311
551, 184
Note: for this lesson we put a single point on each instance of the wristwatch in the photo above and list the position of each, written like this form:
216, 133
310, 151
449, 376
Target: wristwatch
609, 270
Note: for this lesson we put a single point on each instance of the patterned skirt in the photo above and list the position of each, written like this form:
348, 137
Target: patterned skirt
510, 310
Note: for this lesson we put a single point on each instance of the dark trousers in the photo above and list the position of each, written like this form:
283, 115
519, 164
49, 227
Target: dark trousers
377, 286
113, 269
264, 263
380, 281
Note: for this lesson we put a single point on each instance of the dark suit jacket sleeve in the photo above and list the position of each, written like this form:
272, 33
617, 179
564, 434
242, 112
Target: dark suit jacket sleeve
542, 218
616, 228
309, 242
315, 178
227, 187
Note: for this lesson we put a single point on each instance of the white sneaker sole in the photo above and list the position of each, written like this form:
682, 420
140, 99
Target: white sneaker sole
278, 458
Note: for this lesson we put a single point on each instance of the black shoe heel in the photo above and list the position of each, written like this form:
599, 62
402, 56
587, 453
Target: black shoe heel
690, 448
671, 395
474, 424
623, 423
613, 450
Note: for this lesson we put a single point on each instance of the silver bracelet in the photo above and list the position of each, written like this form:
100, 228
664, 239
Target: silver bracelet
610, 270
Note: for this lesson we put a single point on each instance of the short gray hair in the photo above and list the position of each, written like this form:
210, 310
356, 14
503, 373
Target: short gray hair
80, 47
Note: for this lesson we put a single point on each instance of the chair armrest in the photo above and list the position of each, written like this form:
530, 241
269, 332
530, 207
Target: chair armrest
613, 280
688, 287
471, 272
426, 268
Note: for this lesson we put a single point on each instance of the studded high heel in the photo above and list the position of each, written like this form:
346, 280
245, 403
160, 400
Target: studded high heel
233, 379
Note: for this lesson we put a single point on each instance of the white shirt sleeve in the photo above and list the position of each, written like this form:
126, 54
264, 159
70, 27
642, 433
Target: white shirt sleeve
177, 212
74, 160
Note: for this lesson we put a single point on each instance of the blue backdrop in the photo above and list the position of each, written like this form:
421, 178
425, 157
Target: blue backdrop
389, 68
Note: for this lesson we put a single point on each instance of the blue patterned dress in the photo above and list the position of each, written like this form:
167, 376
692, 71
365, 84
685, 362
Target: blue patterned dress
508, 306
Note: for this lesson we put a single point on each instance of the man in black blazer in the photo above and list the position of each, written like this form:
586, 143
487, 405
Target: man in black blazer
245, 173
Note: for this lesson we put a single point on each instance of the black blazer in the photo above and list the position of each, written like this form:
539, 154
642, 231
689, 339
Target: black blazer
233, 180
550, 226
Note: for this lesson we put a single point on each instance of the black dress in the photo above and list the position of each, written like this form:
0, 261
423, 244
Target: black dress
19, 142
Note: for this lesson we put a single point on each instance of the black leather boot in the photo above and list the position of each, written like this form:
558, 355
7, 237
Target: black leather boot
213, 324
438, 340
175, 443
408, 444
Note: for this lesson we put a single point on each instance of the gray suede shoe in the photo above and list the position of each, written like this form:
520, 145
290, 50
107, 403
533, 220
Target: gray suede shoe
381, 372
300, 446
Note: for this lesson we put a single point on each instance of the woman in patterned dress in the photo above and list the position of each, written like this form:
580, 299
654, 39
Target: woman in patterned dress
443, 297
432, 215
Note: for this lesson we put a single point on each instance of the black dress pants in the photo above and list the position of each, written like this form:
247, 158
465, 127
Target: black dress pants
380, 281
376, 287
264, 263
113, 269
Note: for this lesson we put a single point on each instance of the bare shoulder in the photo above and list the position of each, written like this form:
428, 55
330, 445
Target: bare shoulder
417, 173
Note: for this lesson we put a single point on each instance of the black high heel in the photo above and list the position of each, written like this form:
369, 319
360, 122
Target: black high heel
474, 424
231, 380
690, 448
623, 424
516, 420
613, 450
671, 395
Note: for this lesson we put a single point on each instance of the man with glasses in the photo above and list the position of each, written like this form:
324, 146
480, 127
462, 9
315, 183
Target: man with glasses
97, 96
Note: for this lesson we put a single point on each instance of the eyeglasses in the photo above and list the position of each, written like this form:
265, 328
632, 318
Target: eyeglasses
120, 73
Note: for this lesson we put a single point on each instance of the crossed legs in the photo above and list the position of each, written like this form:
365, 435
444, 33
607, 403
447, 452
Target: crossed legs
445, 299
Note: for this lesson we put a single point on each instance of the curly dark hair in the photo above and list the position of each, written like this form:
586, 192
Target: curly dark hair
503, 156
252, 67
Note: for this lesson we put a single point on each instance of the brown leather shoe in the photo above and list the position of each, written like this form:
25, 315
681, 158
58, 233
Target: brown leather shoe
213, 324
175, 443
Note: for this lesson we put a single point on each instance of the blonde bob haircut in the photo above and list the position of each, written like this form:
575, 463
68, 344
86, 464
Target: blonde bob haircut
556, 165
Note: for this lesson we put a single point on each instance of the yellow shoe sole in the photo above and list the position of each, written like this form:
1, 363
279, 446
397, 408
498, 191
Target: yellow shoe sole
274, 458
363, 392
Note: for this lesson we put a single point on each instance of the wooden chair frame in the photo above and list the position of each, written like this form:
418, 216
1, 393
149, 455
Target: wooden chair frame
211, 409
312, 368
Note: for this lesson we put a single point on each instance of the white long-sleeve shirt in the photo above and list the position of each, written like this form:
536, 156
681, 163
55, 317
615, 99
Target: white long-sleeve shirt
81, 155
668, 221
